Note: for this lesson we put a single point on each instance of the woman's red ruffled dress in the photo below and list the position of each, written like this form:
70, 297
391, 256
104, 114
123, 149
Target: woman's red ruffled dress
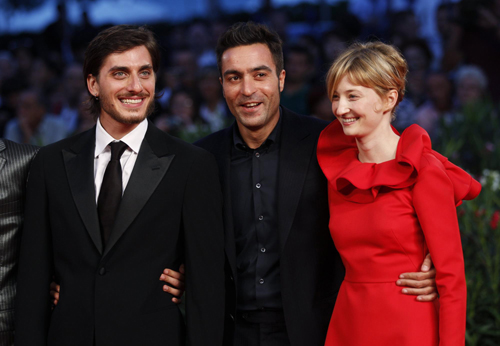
384, 219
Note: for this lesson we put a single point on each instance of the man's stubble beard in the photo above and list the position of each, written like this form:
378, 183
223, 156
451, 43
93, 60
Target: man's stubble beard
124, 119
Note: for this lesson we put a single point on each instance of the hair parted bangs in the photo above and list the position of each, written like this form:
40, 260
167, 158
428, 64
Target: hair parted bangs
374, 65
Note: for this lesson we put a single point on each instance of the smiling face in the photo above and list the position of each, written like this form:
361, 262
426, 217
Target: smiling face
360, 110
252, 87
125, 87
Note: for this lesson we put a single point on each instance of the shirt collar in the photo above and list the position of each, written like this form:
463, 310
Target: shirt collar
273, 137
133, 139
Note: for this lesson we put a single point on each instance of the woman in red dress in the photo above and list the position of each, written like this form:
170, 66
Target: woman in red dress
392, 199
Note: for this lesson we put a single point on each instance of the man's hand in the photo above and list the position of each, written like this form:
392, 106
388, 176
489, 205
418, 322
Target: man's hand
422, 284
55, 289
175, 279
176, 282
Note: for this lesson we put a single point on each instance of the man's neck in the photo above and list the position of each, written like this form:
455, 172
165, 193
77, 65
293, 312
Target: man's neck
255, 137
116, 129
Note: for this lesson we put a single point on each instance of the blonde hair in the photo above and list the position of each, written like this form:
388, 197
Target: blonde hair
374, 65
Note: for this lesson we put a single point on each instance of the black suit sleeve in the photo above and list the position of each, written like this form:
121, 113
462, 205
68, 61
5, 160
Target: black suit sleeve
35, 264
203, 232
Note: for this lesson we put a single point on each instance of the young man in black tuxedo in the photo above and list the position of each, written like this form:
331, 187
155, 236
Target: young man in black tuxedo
108, 209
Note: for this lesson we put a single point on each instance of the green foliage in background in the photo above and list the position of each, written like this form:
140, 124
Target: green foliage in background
480, 227
472, 141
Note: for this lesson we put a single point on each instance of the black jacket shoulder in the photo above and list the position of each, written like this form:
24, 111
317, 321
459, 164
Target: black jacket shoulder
306, 122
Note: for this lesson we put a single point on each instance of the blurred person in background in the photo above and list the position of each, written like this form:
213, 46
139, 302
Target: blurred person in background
44, 78
480, 39
439, 107
333, 43
7, 65
213, 109
24, 56
82, 35
183, 119
309, 42
168, 81
68, 96
10, 87
447, 22
471, 85
278, 21
33, 124
85, 118
10, 91
419, 58
199, 39
217, 27
299, 65
184, 61
405, 27
57, 36
319, 103
476, 114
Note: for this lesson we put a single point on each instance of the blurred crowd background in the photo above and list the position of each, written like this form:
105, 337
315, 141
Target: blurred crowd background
452, 91
452, 67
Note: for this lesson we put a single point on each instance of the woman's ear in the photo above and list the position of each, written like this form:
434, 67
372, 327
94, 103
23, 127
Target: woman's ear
391, 99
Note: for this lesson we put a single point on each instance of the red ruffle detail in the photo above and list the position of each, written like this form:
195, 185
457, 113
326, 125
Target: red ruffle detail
361, 182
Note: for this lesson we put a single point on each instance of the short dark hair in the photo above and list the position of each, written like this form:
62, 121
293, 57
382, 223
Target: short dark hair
248, 33
117, 39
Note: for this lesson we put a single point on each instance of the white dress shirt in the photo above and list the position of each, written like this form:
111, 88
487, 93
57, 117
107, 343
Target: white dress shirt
102, 154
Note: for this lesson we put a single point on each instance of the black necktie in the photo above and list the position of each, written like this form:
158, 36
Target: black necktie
111, 191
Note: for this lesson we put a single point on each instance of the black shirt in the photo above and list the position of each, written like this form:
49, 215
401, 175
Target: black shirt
254, 183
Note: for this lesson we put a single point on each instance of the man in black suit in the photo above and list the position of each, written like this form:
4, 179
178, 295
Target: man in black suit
282, 269
15, 161
158, 205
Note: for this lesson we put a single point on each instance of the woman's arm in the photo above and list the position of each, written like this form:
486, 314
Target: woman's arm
434, 203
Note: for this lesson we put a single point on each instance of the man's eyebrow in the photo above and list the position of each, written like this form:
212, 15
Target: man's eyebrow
119, 68
127, 69
261, 67
253, 69
231, 72
146, 67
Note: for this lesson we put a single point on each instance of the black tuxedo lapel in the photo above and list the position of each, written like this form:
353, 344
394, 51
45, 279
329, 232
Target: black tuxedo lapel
79, 162
297, 148
149, 169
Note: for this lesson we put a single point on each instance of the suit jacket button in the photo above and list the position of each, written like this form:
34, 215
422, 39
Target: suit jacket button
102, 271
